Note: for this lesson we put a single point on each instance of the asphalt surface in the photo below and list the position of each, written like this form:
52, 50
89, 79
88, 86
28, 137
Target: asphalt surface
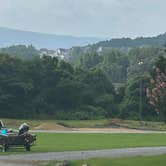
30, 159
100, 130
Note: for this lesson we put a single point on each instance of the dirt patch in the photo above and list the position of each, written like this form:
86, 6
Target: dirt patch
50, 126
109, 130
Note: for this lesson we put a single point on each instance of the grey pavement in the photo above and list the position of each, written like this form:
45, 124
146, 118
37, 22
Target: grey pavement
77, 155
100, 131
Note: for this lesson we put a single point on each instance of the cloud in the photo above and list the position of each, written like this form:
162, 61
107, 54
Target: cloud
111, 18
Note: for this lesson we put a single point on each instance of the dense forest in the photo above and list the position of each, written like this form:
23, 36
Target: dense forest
105, 80
156, 41
48, 87
99, 85
119, 65
21, 51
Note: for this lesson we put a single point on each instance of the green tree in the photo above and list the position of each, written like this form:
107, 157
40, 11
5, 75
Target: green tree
130, 107
156, 92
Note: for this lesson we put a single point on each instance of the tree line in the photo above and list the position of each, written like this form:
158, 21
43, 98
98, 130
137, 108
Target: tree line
49, 88
104, 85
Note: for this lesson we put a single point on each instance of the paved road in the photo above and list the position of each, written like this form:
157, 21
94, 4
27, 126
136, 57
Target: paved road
77, 155
100, 130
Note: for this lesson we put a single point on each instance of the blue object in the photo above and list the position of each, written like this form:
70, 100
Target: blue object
4, 131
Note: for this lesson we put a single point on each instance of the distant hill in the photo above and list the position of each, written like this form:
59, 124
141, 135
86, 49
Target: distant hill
10, 37
123, 44
156, 41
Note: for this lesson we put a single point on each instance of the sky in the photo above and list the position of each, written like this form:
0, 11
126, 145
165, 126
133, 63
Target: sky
97, 18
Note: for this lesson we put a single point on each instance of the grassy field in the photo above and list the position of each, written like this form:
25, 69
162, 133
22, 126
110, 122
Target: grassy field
50, 142
66, 142
102, 123
134, 161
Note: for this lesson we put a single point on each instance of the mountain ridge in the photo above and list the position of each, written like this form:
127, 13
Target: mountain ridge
158, 40
42, 40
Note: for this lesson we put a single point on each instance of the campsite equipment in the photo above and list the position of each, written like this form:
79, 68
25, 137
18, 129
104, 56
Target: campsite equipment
21, 138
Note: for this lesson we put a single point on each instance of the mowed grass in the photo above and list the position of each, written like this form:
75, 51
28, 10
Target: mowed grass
50, 142
134, 161
58, 142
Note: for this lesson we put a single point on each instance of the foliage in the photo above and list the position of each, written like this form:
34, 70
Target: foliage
82, 89
50, 88
123, 67
113, 62
147, 55
158, 41
135, 94
21, 51
157, 90
117, 64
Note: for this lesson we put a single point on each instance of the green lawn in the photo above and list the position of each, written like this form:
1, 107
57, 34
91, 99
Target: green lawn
50, 142
133, 161
71, 142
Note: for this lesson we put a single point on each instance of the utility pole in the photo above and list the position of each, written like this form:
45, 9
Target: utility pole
140, 93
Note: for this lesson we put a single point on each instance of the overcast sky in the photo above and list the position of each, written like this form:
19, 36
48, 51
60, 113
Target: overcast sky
99, 18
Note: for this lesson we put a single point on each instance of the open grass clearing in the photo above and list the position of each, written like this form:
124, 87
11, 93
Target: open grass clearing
54, 142
75, 141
